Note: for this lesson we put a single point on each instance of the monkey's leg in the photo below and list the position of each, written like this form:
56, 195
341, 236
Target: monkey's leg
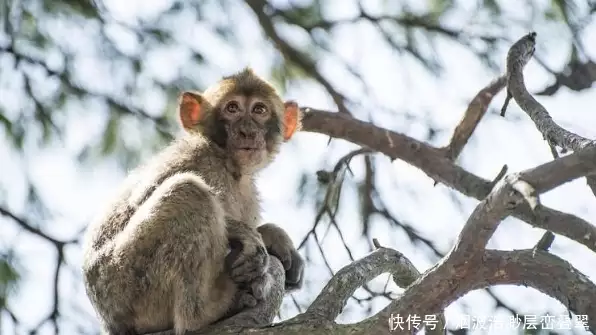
260, 315
178, 239
266, 309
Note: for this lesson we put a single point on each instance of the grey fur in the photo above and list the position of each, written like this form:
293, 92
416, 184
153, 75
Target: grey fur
159, 256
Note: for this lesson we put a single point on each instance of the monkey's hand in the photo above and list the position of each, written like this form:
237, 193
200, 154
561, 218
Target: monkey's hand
248, 261
280, 245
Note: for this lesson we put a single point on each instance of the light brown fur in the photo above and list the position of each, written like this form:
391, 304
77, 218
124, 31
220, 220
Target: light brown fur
157, 258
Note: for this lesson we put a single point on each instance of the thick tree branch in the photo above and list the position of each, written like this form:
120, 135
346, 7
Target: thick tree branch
517, 58
519, 188
440, 168
448, 281
330, 302
465, 267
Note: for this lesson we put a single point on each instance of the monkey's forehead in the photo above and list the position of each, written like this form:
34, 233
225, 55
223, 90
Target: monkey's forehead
253, 87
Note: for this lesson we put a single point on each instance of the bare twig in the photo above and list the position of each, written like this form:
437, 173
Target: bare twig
335, 180
35, 231
474, 113
545, 242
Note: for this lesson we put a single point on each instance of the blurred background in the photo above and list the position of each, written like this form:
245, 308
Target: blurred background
88, 90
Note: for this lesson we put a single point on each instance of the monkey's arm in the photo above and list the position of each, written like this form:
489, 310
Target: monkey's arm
280, 245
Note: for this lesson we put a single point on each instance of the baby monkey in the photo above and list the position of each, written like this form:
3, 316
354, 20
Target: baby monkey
159, 257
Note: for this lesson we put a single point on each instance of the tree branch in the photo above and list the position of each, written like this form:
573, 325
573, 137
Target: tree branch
519, 188
517, 58
432, 162
445, 283
35, 231
474, 113
330, 302
437, 289
466, 264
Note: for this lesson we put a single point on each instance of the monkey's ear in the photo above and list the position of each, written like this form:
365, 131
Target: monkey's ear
191, 109
291, 119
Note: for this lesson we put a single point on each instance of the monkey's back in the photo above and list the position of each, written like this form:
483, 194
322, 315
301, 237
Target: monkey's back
142, 287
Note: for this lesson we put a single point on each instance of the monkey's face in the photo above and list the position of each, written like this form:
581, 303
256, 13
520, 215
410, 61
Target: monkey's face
248, 127
244, 116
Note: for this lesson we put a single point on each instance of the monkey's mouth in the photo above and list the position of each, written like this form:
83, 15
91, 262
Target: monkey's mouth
248, 149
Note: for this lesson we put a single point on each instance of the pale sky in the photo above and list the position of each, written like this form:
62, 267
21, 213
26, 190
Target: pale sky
75, 193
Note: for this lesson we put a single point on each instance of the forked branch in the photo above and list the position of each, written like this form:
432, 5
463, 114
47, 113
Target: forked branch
438, 167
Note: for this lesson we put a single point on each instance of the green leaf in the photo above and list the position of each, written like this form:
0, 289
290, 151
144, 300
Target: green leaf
9, 278
160, 36
567, 10
85, 8
492, 6
440, 7
6, 123
110, 135
304, 16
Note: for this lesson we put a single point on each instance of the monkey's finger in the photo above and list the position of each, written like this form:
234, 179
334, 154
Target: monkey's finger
250, 269
284, 256
261, 286
250, 265
245, 300
286, 260
294, 281
239, 258
295, 274
231, 258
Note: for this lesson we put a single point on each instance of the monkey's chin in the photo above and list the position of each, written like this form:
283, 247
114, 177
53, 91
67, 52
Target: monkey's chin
250, 159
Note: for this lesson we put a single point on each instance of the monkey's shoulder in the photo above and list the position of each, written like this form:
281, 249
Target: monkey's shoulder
238, 196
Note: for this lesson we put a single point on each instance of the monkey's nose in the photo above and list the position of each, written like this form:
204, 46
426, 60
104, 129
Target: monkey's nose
247, 134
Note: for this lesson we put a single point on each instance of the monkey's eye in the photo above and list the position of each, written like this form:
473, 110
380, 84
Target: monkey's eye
232, 107
259, 109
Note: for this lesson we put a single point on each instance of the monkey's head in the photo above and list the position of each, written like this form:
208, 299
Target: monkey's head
243, 115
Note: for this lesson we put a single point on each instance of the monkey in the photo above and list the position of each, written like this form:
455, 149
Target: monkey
180, 246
